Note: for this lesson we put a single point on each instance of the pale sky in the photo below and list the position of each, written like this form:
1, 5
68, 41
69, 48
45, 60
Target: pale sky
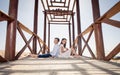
25, 15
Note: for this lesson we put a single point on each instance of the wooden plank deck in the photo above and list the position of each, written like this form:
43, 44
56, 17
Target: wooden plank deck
55, 66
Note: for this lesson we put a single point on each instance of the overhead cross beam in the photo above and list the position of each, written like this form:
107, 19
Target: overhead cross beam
55, 8
58, 12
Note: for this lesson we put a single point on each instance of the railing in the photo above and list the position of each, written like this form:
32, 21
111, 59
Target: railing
103, 19
21, 28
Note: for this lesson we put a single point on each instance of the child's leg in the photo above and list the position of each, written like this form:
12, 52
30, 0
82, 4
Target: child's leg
44, 56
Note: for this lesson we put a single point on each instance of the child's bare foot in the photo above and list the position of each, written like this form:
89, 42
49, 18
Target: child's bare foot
34, 55
76, 56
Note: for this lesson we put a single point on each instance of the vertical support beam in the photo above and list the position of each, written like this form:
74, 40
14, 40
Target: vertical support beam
98, 31
35, 26
11, 31
49, 37
44, 37
73, 28
78, 27
69, 28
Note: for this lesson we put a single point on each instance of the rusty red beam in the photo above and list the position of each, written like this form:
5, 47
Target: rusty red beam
56, 2
48, 8
11, 31
73, 28
58, 6
44, 33
59, 18
89, 36
39, 43
24, 38
114, 10
69, 29
39, 46
68, 4
72, 9
35, 26
49, 37
65, 12
114, 52
60, 23
112, 22
3, 59
43, 4
44, 7
5, 17
64, 2
40, 50
90, 50
98, 31
78, 26
23, 49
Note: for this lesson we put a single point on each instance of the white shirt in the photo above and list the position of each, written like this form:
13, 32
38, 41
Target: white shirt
65, 54
55, 51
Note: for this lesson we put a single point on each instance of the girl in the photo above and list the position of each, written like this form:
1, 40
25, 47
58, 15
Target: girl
65, 52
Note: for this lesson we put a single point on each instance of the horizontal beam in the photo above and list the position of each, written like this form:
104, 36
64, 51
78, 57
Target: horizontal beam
56, 2
60, 23
112, 22
5, 17
58, 6
59, 18
61, 12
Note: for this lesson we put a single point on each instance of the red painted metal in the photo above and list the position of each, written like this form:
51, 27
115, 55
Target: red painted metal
89, 36
44, 47
23, 49
98, 31
73, 28
90, 50
114, 52
78, 26
24, 38
11, 31
49, 37
69, 28
35, 27
2, 59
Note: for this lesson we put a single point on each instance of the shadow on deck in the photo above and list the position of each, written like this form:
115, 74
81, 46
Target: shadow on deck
59, 66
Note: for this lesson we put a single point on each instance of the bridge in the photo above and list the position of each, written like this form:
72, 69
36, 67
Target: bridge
59, 12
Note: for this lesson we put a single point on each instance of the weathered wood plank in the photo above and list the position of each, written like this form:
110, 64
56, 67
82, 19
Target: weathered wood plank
59, 66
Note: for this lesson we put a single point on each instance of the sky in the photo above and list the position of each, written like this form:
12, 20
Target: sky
25, 15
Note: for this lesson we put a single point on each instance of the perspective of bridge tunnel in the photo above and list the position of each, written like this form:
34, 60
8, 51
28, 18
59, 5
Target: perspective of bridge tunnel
59, 12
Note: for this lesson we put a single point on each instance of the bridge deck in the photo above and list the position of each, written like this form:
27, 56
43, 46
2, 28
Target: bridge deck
50, 66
